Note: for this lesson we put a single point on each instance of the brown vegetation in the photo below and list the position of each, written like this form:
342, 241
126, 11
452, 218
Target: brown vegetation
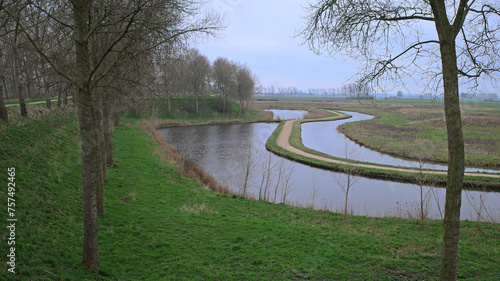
313, 113
186, 165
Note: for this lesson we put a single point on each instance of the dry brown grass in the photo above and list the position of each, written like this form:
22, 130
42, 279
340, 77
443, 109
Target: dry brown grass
186, 165
388, 128
481, 120
267, 114
313, 113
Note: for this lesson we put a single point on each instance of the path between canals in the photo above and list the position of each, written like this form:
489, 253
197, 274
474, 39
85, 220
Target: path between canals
283, 141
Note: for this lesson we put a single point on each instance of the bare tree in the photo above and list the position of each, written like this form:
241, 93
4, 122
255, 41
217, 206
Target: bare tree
171, 71
197, 74
13, 36
350, 174
389, 37
267, 169
285, 183
250, 166
224, 73
422, 153
245, 85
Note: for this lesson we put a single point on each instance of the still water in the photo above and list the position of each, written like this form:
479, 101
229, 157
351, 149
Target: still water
225, 151
282, 114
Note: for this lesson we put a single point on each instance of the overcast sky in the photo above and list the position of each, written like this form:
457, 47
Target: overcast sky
260, 34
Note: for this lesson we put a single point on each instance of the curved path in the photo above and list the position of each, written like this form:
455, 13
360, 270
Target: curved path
283, 141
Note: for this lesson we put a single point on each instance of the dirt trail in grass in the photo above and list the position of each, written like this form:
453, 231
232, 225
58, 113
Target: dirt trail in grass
283, 141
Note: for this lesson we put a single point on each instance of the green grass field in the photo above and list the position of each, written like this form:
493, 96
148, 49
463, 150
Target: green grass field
163, 226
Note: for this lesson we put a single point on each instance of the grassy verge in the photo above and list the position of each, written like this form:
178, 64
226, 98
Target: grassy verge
160, 225
183, 112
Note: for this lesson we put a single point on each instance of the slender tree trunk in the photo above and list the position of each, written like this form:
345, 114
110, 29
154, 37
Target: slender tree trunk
247, 172
224, 98
422, 219
102, 154
3, 109
90, 151
17, 85
107, 128
455, 161
48, 100
65, 99
197, 105
348, 186
169, 105
59, 98
268, 179
22, 101
345, 205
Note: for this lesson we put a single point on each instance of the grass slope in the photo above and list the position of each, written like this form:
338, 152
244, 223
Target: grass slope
163, 226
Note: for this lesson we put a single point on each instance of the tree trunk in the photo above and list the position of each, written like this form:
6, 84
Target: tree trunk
422, 219
90, 152
455, 162
59, 98
3, 109
197, 105
169, 105
22, 101
447, 34
17, 86
107, 127
48, 100
224, 104
102, 154
345, 205
65, 99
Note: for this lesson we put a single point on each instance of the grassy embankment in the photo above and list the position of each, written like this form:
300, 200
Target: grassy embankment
35, 110
161, 225
183, 111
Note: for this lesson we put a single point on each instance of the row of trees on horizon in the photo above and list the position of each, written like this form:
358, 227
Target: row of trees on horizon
351, 90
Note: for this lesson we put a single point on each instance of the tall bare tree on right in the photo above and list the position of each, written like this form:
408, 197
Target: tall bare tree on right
392, 39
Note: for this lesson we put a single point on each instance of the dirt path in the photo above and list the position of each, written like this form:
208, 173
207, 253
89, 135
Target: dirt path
283, 141
36, 102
